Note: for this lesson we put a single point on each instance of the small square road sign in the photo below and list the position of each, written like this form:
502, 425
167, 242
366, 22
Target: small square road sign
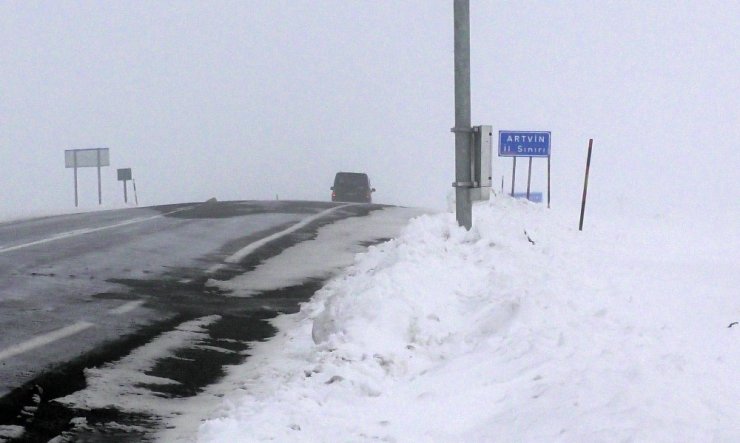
124, 174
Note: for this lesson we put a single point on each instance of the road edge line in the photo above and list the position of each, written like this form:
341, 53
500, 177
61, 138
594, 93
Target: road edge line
78, 232
242, 253
45, 339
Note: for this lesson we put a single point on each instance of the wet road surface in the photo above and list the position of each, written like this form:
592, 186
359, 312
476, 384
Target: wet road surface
89, 293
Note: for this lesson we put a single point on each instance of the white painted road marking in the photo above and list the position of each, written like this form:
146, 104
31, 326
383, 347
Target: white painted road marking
51, 337
250, 248
43, 340
78, 232
80, 326
126, 308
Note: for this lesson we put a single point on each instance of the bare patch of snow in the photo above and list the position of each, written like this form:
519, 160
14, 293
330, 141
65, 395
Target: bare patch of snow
121, 384
8, 432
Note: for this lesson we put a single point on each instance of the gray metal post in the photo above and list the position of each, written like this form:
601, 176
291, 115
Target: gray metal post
100, 192
529, 177
125, 192
462, 129
74, 156
513, 177
136, 196
548, 182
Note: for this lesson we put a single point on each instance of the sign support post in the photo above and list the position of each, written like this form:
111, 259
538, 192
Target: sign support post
87, 158
136, 196
463, 131
513, 177
124, 175
548, 182
529, 177
75, 167
100, 189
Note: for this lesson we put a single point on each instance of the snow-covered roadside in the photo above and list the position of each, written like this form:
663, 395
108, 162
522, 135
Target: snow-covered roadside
336, 244
522, 329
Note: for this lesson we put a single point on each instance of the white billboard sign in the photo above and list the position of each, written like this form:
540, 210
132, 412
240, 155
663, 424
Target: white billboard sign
86, 158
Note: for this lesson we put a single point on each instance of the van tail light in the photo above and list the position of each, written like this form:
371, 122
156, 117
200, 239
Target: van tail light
333, 196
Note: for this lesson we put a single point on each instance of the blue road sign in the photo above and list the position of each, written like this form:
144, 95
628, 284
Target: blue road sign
523, 143
535, 197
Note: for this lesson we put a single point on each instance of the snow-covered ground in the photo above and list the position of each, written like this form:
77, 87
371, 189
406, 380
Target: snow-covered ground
522, 329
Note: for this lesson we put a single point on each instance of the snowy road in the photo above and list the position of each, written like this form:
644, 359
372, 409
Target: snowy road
81, 290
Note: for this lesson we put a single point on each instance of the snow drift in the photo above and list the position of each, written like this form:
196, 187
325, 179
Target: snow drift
521, 329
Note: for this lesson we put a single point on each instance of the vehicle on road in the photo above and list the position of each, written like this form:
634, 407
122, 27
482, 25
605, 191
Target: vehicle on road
352, 187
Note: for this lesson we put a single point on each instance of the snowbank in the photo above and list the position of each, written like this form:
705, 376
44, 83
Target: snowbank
522, 329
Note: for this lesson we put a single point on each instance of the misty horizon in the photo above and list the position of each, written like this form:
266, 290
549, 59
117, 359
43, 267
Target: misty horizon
265, 100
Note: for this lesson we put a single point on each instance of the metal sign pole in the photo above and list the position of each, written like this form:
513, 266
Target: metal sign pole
529, 177
136, 196
548, 182
74, 155
462, 129
125, 192
513, 177
585, 183
100, 192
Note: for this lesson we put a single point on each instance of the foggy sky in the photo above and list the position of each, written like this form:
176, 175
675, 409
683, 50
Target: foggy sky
258, 99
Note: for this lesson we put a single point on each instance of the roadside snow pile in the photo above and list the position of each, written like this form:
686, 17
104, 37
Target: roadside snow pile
519, 330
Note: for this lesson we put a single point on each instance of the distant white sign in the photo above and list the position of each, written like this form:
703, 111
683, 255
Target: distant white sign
86, 158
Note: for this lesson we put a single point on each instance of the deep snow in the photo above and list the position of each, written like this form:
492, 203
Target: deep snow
522, 329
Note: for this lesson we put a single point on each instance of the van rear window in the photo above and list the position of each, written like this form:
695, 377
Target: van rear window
351, 180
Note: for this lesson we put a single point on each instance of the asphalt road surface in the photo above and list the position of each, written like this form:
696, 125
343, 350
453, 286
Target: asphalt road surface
81, 291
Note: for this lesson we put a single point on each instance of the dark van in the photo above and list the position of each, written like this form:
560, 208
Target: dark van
352, 187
